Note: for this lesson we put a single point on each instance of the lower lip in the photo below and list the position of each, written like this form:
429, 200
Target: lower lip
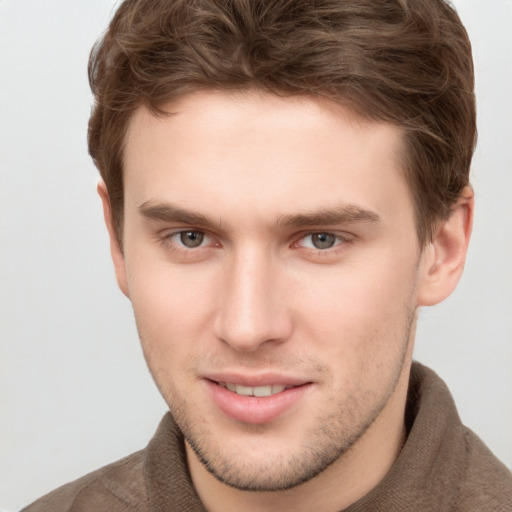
255, 410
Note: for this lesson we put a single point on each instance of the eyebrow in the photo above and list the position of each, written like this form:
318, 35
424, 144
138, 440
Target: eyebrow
167, 212
347, 214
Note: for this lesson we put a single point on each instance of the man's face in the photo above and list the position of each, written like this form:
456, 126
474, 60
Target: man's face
270, 250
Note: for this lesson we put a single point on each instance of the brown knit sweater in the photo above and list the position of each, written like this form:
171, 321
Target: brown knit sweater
443, 466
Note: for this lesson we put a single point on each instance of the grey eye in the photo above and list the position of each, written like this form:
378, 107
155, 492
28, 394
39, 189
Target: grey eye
191, 239
323, 240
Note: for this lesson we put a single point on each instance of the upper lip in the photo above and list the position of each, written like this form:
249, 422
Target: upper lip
255, 380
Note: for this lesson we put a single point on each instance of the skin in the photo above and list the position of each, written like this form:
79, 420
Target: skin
259, 178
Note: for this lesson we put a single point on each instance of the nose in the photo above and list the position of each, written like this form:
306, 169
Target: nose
253, 310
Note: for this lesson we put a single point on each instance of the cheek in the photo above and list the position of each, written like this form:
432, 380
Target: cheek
172, 307
171, 319
360, 313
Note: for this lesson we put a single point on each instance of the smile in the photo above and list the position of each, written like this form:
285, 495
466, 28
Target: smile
263, 403
258, 391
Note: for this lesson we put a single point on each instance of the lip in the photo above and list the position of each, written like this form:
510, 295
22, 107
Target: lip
261, 379
251, 409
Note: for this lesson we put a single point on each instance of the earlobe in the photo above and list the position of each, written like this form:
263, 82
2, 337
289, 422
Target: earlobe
443, 258
115, 248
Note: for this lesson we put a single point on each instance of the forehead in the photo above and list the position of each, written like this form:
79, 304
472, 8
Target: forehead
259, 152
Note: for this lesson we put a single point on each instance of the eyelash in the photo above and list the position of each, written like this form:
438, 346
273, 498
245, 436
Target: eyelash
166, 239
339, 240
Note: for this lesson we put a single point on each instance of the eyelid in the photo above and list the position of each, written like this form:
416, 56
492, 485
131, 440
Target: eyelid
177, 234
167, 237
340, 237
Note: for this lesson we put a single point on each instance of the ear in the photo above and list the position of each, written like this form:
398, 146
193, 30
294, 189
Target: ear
115, 248
443, 258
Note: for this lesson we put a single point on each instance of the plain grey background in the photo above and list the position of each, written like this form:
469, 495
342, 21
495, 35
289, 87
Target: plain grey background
74, 390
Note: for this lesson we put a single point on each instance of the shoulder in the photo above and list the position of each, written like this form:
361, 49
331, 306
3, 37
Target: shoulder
463, 471
486, 483
118, 487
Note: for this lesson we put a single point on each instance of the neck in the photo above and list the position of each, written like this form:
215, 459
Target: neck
348, 479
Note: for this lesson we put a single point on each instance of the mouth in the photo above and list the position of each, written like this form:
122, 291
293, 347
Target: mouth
256, 402
257, 391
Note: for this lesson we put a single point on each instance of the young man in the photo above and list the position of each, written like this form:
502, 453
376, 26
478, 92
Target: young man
285, 183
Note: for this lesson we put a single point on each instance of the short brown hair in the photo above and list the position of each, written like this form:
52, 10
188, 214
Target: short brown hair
407, 62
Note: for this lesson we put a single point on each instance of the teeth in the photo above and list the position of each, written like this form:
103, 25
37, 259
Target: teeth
259, 391
243, 390
262, 391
